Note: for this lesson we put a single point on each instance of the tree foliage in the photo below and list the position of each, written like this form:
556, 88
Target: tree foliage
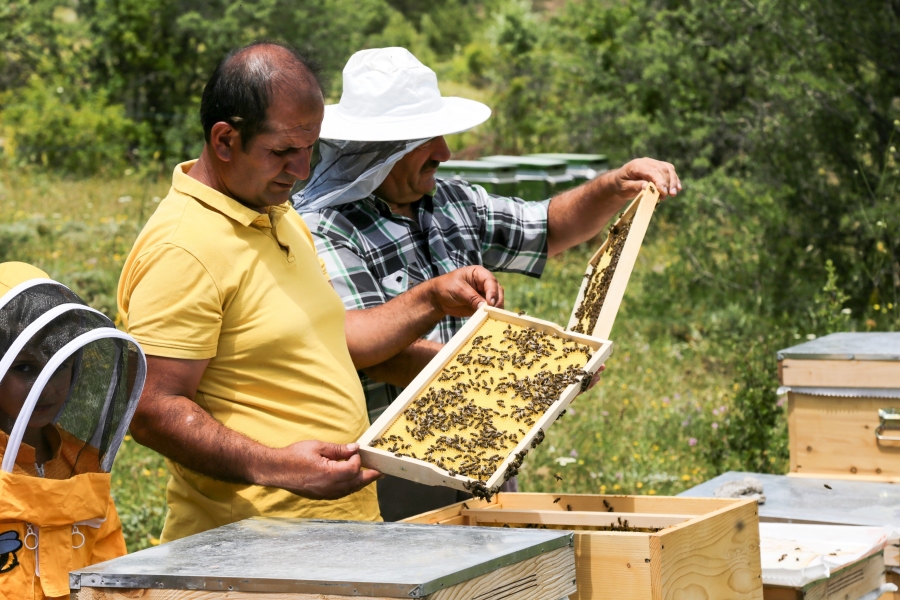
781, 117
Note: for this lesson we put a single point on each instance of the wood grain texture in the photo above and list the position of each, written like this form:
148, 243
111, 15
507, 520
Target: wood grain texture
602, 503
549, 576
775, 592
891, 577
713, 557
612, 565
715, 552
113, 594
848, 583
892, 555
833, 436
840, 373
572, 518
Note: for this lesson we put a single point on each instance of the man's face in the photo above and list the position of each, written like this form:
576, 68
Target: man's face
413, 175
263, 174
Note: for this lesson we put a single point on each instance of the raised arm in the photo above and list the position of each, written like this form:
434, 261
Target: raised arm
579, 214
170, 422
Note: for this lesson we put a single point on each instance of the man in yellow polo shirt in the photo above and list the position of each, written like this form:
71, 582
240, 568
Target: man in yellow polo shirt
252, 393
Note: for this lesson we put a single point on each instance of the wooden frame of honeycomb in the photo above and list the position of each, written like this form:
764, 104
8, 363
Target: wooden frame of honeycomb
470, 417
610, 268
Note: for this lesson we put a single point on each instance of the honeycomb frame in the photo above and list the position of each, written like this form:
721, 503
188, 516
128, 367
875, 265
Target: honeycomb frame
609, 269
416, 469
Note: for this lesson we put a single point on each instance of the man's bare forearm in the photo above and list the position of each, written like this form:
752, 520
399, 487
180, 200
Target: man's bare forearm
405, 366
377, 334
180, 430
579, 214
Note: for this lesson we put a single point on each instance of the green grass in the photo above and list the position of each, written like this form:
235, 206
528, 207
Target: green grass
653, 426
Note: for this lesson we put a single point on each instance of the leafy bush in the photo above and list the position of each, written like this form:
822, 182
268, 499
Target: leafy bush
68, 130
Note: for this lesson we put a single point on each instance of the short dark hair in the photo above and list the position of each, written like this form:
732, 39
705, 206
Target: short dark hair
240, 89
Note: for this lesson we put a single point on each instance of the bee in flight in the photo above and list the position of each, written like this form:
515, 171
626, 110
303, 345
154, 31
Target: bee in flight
9, 545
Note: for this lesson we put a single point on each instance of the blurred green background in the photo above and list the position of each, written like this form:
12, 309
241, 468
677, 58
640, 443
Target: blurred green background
780, 116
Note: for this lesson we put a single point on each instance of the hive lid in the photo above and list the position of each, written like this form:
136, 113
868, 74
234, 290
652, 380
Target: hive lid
532, 165
807, 500
594, 161
479, 166
337, 558
847, 346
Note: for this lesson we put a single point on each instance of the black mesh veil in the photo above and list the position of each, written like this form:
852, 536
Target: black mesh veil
69, 381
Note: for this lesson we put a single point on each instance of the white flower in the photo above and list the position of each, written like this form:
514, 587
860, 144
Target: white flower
564, 460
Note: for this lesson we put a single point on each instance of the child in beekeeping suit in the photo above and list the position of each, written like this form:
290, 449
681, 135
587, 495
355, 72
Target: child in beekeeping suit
69, 384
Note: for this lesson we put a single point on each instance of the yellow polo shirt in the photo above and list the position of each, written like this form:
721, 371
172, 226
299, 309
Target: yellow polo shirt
211, 278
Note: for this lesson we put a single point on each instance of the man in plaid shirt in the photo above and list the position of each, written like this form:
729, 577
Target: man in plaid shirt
383, 223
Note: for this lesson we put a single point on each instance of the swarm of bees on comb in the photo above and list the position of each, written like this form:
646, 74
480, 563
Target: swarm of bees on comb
485, 400
599, 279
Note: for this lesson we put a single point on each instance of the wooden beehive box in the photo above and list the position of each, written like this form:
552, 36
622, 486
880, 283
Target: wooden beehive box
610, 268
853, 582
844, 406
381, 448
703, 548
309, 559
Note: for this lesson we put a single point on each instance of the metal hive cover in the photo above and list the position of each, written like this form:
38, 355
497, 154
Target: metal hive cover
847, 346
807, 500
346, 558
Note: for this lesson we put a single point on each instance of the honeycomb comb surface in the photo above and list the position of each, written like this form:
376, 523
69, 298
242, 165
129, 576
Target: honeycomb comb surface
467, 421
599, 279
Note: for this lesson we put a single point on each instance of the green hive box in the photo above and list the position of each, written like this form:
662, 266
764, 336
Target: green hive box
496, 178
538, 178
581, 167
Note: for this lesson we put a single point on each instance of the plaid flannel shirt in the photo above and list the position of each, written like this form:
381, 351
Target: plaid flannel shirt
373, 255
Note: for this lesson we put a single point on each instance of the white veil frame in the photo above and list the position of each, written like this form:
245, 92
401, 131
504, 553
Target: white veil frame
73, 346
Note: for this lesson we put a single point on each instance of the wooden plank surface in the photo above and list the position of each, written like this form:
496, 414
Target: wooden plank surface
549, 576
832, 436
714, 556
573, 518
891, 577
612, 566
131, 594
775, 592
621, 504
840, 373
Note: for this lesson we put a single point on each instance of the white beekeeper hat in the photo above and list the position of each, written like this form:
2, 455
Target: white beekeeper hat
390, 96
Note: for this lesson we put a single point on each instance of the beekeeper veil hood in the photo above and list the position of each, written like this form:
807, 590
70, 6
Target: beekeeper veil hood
390, 105
64, 369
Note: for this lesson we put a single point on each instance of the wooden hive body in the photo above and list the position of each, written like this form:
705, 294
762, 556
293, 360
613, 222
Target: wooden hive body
704, 548
839, 387
609, 269
421, 471
853, 581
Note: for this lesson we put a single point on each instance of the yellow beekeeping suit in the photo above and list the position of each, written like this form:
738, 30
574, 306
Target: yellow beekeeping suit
57, 516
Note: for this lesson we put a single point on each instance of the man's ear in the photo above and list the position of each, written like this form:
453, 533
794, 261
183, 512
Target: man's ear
224, 140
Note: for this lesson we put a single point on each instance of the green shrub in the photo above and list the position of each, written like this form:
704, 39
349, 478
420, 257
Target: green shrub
67, 130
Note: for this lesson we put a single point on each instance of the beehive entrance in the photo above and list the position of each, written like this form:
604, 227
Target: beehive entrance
486, 399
